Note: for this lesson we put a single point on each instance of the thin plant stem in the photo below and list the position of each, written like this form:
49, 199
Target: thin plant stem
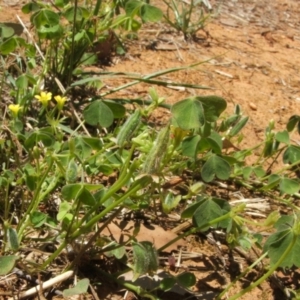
241, 275
35, 201
97, 7
92, 222
70, 66
135, 288
153, 75
88, 245
195, 229
54, 255
124, 177
108, 209
271, 270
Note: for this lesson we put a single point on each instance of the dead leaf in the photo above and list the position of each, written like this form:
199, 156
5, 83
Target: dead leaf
175, 180
121, 230
227, 145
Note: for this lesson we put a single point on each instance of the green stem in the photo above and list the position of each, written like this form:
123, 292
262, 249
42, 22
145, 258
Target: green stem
70, 68
241, 275
97, 7
105, 147
196, 229
89, 244
139, 101
137, 186
288, 167
83, 229
35, 201
7, 202
54, 255
271, 270
153, 75
275, 159
137, 289
122, 180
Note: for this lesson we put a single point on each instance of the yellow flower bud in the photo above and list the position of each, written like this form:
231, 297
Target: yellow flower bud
44, 98
15, 108
60, 102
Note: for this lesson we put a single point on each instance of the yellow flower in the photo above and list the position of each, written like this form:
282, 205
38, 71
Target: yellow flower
44, 98
15, 108
60, 102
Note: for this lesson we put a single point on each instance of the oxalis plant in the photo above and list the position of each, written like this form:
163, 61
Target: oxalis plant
73, 34
64, 164
52, 178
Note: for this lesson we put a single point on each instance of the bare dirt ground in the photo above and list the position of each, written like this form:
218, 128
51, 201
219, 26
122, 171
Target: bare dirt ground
253, 52
252, 49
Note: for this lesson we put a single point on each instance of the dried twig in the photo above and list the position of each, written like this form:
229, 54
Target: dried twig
45, 285
31, 38
224, 74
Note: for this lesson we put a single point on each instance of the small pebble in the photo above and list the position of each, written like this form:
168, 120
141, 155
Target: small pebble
252, 106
